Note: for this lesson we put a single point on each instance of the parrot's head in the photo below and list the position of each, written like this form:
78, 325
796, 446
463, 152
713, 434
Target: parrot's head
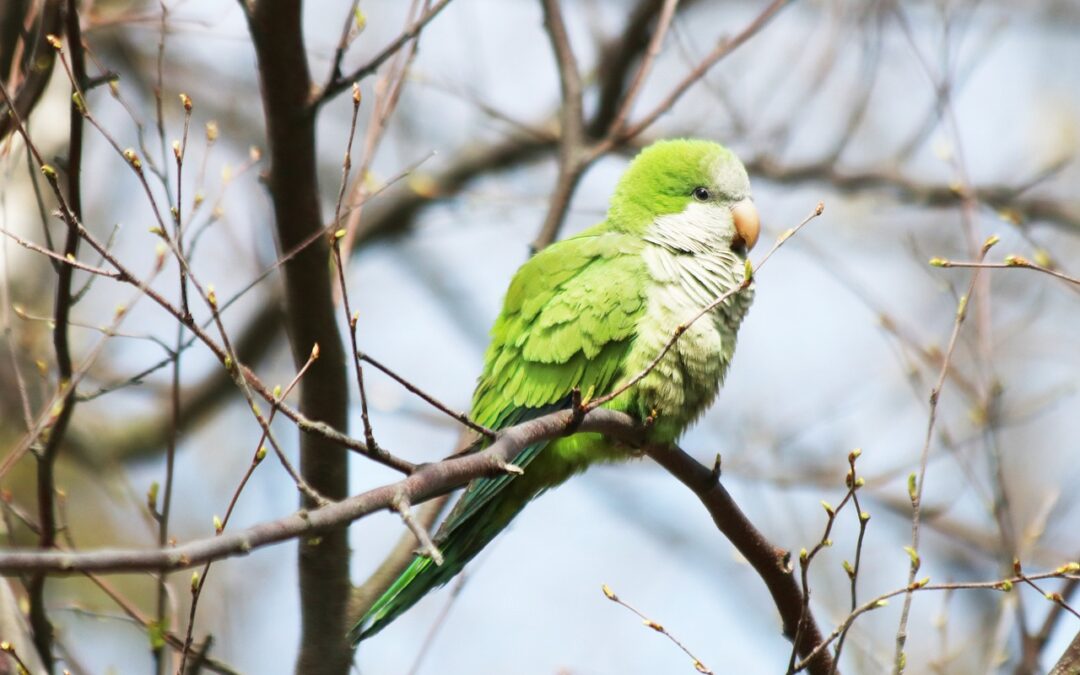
698, 189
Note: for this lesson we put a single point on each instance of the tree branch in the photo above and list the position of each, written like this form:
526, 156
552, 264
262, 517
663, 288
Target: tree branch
771, 563
276, 30
573, 159
339, 83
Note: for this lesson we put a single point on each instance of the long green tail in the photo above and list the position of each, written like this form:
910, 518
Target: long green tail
485, 509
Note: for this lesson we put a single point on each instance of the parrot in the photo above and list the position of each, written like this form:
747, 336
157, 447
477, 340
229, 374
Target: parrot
589, 313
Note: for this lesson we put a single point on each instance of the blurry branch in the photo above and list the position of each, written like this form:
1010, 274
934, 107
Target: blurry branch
72, 214
1069, 663
572, 158
722, 49
659, 628
339, 82
916, 484
1004, 585
656, 43
1005, 199
1011, 262
388, 88
38, 57
323, 559
168, 637
455, 591
1030, 665
618, 56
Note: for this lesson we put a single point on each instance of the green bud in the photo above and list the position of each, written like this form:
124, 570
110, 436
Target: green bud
914, 555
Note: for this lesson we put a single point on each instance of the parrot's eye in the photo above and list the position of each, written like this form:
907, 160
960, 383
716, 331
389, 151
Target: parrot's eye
701, 194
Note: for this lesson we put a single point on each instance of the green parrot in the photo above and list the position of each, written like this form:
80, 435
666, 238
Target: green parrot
590, 313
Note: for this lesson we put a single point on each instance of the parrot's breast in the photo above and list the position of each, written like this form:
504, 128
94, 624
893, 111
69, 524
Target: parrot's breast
685, 382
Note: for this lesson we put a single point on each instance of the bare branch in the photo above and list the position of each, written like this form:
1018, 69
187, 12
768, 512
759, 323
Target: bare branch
339, 83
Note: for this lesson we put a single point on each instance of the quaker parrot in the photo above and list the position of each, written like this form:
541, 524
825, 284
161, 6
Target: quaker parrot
589, 313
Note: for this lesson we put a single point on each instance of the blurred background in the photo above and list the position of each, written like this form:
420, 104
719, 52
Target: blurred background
924, 127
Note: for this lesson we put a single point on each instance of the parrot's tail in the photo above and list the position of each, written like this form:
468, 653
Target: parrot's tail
465, 538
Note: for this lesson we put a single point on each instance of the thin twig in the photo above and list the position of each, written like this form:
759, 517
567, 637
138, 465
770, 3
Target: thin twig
1011, 262
427, 546
659, 628
916, 484
461, 417
340, 84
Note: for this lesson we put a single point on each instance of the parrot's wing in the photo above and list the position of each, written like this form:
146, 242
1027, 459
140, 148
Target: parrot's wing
569, 319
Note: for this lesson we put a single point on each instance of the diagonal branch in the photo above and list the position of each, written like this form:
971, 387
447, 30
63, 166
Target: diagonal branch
339, 83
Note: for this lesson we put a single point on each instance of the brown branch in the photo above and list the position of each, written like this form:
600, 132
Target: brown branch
365, 595
663, 22
46, 484
428, 481
771, 563
339, 83
290, 119
1003, 198
573, 159
1069, 663
618, 56
723, 48
39, 60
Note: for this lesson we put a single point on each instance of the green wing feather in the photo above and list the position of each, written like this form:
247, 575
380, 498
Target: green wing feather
569, 318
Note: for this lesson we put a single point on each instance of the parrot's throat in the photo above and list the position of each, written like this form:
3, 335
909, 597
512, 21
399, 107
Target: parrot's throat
690, 264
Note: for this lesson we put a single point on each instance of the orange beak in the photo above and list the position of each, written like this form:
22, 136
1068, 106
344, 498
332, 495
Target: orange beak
747, 222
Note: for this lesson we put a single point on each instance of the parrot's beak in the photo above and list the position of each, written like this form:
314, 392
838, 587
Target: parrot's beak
747, 222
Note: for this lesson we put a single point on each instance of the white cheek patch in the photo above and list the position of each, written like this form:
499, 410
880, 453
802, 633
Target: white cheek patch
701, 228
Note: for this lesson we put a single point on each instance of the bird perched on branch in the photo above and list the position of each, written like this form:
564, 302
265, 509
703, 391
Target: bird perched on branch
586, 317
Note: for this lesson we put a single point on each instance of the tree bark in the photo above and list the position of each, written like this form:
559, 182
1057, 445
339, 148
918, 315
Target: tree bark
290, 122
